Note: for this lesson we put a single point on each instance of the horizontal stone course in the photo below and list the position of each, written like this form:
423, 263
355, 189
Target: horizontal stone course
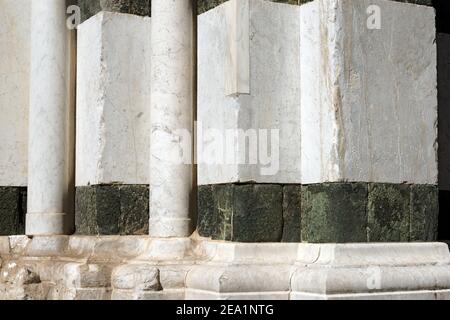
216, 269
319, 213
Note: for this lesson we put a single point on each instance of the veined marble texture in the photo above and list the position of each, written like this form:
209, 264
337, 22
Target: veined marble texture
172, 114
369, 99
113, 100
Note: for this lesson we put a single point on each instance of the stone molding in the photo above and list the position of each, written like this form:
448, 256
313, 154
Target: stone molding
63, 267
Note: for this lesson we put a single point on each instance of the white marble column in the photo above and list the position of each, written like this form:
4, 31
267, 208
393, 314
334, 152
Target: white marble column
50, 167
172, 101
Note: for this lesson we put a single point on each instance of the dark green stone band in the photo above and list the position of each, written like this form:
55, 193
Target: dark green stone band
143, 7
13, 207
112, 210
205, 5
91, 7
320, 213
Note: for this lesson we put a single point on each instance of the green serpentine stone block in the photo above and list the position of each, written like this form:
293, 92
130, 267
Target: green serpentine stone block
292, 227
258, 215
424, 212
205, 225
91, 7
13, 207
334, 213
223, 212
112, 210
319, 213
241, 213
389, 209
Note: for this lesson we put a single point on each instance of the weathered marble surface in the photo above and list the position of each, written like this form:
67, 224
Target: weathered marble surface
113, 100
369, 106
273, 102
14, 91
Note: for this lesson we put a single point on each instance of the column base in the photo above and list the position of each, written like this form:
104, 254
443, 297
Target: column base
46, 224
170, 227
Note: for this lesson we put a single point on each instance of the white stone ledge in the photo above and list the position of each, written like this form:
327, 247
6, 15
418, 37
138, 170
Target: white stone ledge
367, 254
409, 295
364, 280
196, 268
240, 278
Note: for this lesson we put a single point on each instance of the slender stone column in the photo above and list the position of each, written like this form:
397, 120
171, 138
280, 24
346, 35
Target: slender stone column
171, 181
50, 167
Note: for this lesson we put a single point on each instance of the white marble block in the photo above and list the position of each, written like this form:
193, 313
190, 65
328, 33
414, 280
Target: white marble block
369, 99
14, 91
113, 100
248, 78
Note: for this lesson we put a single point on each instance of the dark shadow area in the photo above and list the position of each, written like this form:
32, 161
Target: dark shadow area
442, 15
443, 26
444, 217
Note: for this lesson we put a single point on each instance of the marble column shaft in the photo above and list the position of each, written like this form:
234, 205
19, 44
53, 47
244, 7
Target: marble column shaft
172, 103
50, 167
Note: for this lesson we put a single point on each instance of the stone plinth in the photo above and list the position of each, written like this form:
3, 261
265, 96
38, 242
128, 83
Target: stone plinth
144, 268
113, 124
